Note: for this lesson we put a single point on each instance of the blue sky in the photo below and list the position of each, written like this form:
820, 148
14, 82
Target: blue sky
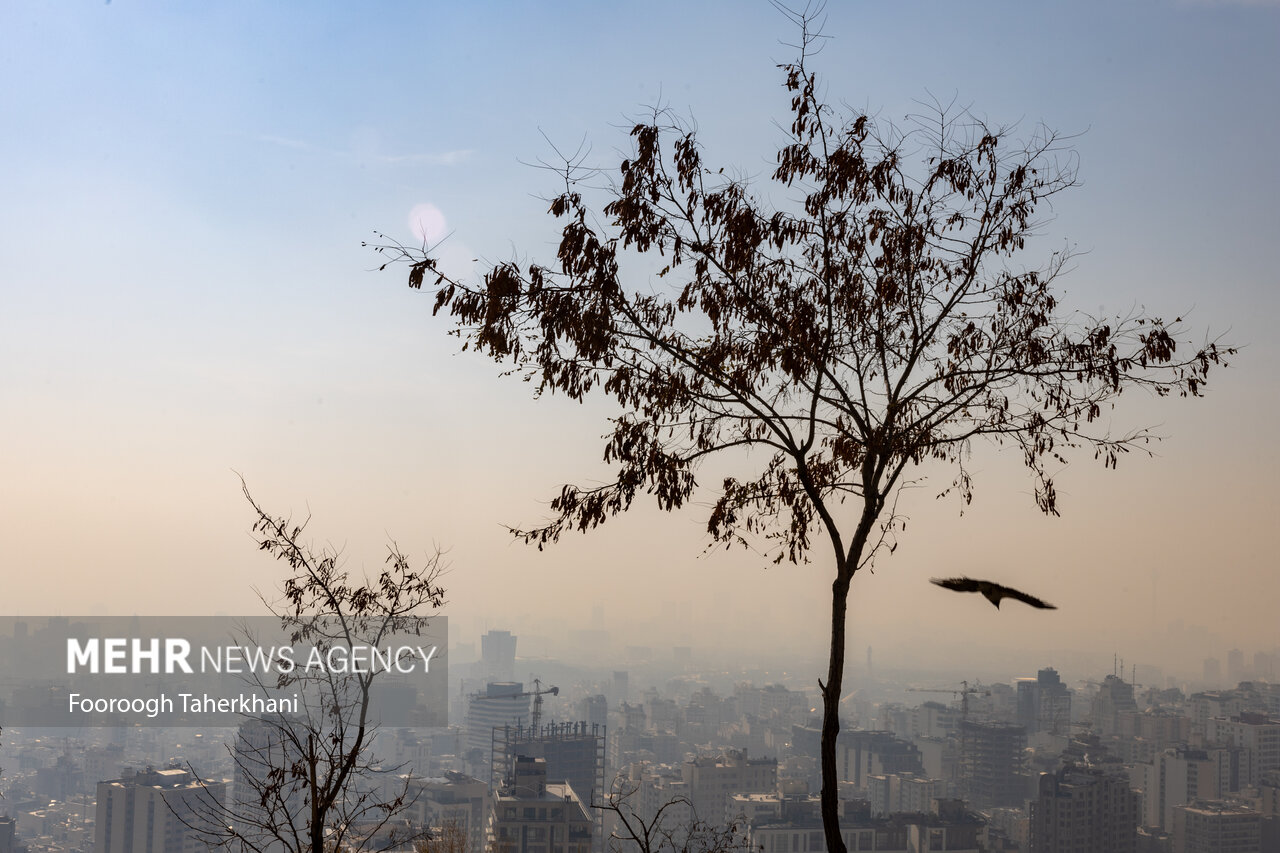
185, 296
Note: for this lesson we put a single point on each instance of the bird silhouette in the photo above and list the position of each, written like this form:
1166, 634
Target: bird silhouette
993, 592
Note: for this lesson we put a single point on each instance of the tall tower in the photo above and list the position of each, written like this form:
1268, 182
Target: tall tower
498, 655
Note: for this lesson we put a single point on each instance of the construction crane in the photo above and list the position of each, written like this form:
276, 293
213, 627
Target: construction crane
537, 693
964, 693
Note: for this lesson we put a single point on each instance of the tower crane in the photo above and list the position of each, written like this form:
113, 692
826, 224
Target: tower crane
537, 693
964, 693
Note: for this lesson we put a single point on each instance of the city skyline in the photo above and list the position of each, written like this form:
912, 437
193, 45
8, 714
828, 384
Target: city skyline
187, 299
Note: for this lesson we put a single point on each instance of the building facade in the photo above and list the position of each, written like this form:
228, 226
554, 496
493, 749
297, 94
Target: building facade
1084, 809
992, 764
1215, 827
155, 811
532, 815
452, 803
711, 780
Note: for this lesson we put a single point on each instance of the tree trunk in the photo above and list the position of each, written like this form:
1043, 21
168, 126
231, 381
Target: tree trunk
846, 567
831, 713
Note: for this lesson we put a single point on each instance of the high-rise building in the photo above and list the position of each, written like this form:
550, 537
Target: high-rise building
1114, 697
1257, 733
154, 812
1084, 809
1044, 704
498, 655
992, 764
532, 815
574, 753
874, 753
503, 703
712, 780
1183, 774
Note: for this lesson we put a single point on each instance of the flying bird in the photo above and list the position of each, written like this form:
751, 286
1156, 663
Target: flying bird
994, 592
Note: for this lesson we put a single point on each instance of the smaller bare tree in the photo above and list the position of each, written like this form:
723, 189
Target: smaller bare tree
307, 782
662, 832
449, 837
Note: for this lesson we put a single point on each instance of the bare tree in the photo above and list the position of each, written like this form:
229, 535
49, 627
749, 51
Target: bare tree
449, 837
307, 781
874, 314
637, 832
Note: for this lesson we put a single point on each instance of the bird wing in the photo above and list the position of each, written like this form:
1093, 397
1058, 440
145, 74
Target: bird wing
958, 584
1019, 595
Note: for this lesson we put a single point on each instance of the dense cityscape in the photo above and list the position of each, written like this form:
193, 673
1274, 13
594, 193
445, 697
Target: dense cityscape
546, 756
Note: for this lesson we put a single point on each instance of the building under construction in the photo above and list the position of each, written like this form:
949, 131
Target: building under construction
992, 764
574, 753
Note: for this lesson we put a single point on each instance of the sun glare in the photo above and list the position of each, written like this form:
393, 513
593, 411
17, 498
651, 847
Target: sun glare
427, 223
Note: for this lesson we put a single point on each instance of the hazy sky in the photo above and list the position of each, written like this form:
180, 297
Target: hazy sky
185, 296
